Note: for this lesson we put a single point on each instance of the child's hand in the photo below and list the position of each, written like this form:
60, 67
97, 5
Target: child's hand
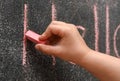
64, 41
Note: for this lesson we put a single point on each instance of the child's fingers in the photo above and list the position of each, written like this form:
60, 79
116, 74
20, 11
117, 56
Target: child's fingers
58, 23
48, 49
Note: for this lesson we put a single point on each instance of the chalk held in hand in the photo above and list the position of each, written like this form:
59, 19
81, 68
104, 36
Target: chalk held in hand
34, 37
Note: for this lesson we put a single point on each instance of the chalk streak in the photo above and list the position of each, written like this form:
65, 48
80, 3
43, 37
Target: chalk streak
115, 38
53, 19
24, 38
53, 12
96, 28
83, 29
107, 31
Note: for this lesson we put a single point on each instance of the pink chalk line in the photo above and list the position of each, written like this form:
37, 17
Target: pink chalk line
24, 38
54, 17
115, 38
83, 29
96, 28
107, 31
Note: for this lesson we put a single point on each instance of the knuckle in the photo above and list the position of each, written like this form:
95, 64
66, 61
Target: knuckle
71, 25
50, 27
70, 28
47, 49
53, 22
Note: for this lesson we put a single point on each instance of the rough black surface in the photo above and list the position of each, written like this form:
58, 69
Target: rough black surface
39, 66
11, 34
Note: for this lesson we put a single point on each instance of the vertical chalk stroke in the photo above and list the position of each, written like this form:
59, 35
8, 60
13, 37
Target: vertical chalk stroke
83, 29
107, 31
96, 28
24, 37
54, 17
115, 39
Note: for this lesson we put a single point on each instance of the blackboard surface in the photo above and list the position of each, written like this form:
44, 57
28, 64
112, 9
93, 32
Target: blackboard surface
100, 21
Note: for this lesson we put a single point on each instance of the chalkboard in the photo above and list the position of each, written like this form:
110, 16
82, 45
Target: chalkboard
97, 20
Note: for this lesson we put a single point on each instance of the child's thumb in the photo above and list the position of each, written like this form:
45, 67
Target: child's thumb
50, 50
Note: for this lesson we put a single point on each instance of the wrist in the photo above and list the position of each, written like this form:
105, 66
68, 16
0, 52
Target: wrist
86, 57
81, 54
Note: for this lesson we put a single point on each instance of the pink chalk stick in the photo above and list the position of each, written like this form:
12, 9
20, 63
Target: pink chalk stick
34, 37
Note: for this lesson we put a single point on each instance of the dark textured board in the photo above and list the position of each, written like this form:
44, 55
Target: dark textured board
39, 66
11, 34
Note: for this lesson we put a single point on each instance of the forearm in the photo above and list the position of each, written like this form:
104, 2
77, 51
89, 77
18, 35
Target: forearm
104, 67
